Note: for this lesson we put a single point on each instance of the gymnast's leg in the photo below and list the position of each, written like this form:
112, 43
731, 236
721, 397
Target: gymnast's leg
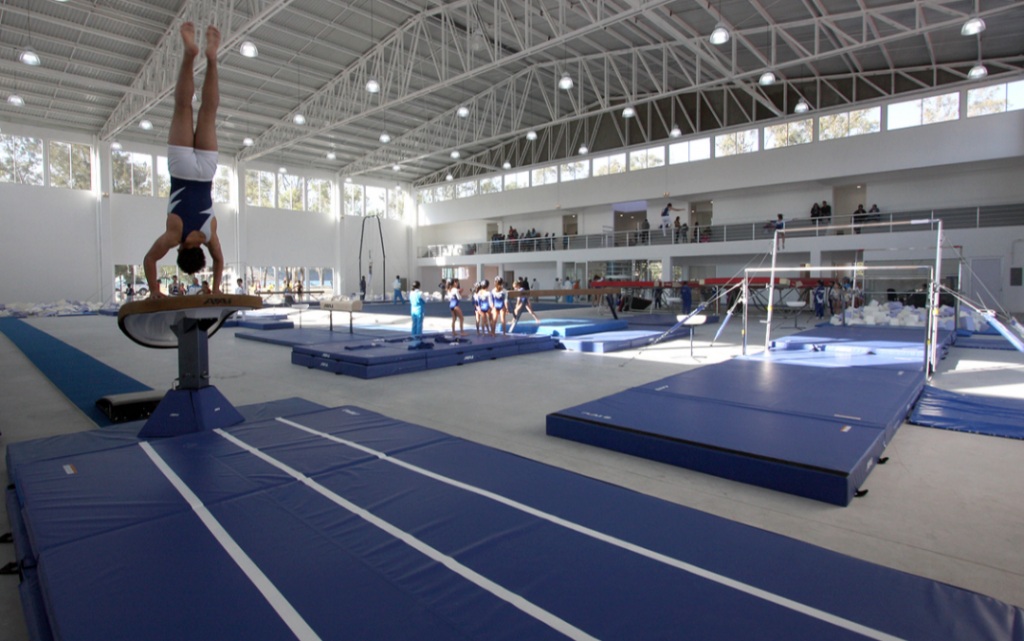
181, 120
206, 123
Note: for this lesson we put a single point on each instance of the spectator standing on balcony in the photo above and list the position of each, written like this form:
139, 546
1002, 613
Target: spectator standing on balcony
826, 213
665, 218
675, 232
684, 232
816, 214
859, 218
876, 214
645, 232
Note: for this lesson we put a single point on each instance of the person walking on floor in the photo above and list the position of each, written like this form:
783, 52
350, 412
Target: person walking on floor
397, 286
416, 305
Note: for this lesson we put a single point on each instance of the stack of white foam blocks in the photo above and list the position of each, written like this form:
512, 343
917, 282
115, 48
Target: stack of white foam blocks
894, 314
60, 308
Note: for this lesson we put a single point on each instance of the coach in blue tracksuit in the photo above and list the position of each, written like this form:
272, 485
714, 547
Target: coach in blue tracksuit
417, 305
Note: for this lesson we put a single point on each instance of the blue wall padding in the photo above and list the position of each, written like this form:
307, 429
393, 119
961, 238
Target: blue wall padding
81, 378
97, 531
990, 415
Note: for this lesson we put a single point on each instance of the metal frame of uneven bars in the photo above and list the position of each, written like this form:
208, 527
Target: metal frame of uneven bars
931, 331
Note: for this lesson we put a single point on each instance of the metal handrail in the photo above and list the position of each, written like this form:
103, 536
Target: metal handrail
852, 224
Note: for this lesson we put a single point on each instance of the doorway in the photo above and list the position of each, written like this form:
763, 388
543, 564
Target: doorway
570, 225
845, 201
986, 281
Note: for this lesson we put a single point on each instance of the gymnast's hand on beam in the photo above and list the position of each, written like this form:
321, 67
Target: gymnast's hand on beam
156, 293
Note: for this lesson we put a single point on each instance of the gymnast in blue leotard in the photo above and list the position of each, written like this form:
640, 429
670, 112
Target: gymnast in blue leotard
454, 297
476, 305
486, 303
192, 164
500, 298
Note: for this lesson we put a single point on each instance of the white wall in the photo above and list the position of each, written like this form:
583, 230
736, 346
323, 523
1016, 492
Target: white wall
947, 150
64, 243
50, 247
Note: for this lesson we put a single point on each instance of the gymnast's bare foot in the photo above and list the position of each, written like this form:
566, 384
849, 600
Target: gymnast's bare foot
212, 41
188, 35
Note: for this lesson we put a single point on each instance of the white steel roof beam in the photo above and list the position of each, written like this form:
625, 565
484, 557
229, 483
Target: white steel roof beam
345, 99
159, 74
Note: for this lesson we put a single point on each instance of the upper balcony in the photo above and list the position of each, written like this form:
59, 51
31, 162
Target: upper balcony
680, 243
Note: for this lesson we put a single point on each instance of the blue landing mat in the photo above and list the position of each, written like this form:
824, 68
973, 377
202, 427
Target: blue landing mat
662, 320
570, 326
990, 415
81, 378
375, 358
394, 531
51, 450
753, 421
293, 337
985, 343
265, 324
610, 341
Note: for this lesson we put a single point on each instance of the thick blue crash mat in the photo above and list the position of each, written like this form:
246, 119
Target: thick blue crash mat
989, 415
302, 336
375, 358
570, 326
345, 524
610, 341
754, 421
48, 452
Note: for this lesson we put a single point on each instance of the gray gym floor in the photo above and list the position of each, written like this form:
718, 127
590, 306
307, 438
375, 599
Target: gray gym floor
947, 505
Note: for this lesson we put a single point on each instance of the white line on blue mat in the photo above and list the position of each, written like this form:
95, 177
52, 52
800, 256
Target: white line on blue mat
512, 598
269, 591
771, 597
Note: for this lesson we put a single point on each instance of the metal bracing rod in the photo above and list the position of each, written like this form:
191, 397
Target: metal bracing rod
430, 139
442, 133
345, 99
159, 74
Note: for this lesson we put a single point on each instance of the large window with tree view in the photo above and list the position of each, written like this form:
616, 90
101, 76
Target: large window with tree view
21, 160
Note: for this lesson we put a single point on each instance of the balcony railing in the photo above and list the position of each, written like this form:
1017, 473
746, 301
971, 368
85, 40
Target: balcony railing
954, 218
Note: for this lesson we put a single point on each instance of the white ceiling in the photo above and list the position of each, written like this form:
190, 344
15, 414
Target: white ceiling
106, 64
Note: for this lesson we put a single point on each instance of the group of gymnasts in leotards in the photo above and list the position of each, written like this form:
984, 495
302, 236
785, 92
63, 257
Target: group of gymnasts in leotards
490, 306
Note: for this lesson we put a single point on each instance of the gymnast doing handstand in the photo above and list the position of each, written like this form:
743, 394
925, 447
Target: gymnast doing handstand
192, 164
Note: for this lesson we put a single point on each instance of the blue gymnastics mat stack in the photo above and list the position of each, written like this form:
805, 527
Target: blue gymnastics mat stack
752, 419
570, 326
345, 524
305, 336
375, 358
